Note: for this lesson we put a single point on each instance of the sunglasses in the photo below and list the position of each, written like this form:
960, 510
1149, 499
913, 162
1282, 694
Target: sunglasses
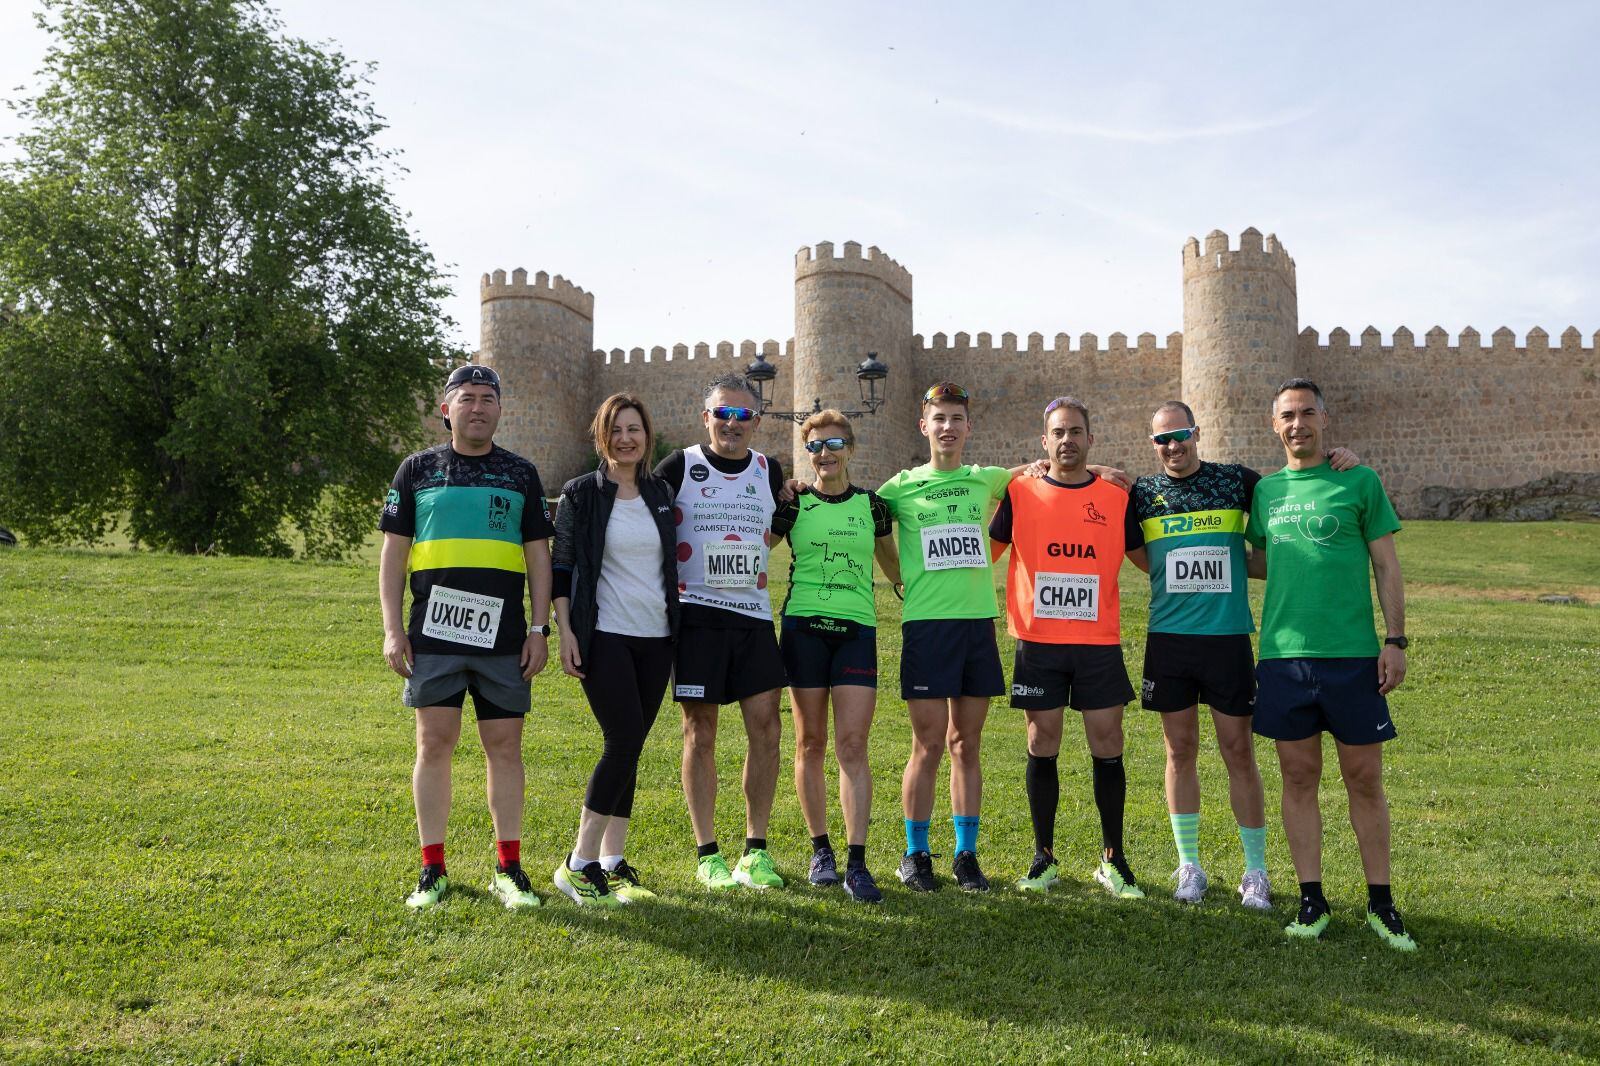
1172, 436
946, 391
736, 414
833, 444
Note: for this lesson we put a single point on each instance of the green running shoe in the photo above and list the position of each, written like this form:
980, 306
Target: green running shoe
1309, 923
431, 887
714, 872
511, 886
624, 884
1119, 883
586, 887
755, 870
1042, 874
1390, 929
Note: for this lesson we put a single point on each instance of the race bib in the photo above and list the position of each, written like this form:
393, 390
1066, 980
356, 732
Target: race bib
732, 564
953, 547
462, 617
1070, 596
1199, 570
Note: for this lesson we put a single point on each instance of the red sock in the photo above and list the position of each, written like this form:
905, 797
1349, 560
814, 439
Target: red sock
508, 851
433, 855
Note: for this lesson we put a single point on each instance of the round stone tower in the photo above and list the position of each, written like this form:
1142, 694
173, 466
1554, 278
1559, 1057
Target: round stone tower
540, 338
844, 308
1240, 320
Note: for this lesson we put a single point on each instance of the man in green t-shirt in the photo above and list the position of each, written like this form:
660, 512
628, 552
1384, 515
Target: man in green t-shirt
1321, 668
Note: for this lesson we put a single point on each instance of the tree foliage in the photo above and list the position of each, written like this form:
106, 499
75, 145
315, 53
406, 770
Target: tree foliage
220, 326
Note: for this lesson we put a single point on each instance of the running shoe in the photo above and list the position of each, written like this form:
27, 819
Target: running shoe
431, 887
916, 872
967, 874
859, 885
1310, 922
1042, 874
1255, 891
1118, 879
1390, 929
824, 868
1192, 883
586, 887
511, 886
755, 870
624, 884
714, 872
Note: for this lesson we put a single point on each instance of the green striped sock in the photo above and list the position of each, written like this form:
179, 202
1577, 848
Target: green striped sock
1255, 847
1186, 834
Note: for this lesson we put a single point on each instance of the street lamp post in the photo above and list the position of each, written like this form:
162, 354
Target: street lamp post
869, 372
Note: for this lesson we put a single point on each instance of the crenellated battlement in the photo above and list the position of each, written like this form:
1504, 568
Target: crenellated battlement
809, 262
741, 354
1088, 344
1437, 341
1255, 252
556, 290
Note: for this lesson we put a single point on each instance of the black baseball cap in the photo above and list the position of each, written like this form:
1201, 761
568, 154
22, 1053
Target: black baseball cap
472, 374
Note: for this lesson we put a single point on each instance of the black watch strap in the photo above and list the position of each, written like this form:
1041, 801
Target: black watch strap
1400, 642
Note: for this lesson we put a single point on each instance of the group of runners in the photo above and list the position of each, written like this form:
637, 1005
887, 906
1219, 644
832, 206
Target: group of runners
659, 577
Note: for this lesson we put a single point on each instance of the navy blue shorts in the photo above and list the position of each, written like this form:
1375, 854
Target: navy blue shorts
823, 652
943, 658
1298, 698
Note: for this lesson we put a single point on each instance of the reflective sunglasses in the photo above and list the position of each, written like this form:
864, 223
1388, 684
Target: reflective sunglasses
945, 391
833, 444
1172, 436
736, 414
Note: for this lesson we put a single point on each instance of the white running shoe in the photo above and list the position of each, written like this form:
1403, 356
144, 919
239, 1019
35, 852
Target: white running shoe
1192, 883
1254, 891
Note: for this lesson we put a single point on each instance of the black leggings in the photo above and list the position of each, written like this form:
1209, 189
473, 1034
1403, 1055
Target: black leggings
625, 679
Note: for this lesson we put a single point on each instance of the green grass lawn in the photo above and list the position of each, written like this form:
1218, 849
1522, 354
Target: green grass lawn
206, 832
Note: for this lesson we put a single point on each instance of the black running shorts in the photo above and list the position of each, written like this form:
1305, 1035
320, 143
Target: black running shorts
1085, 677
1185, 669
725, 665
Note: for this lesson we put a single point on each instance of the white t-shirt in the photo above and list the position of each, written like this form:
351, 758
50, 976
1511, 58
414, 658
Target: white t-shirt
629, 593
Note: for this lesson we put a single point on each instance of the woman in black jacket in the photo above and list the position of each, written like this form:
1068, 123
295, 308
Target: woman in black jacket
616, 601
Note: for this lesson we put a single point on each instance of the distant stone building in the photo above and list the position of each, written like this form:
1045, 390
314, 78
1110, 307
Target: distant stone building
1433, 416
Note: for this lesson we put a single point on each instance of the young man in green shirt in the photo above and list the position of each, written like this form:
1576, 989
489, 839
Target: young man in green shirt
1321, 667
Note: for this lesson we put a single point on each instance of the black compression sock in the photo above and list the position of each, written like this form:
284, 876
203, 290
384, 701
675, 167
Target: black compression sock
754, 844
1110, 797
707, 849
1044, 794
818, 843
1379, 897
858, 856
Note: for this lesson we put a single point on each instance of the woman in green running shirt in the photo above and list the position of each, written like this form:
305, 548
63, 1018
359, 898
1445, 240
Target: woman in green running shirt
830, 641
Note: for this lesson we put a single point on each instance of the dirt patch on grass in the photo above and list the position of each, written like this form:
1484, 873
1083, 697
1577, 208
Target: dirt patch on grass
1589, 595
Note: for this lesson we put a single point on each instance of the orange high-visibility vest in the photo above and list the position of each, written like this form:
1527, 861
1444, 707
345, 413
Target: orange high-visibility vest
1066, 551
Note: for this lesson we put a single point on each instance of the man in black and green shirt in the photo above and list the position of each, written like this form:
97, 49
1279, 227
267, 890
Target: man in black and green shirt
467, 520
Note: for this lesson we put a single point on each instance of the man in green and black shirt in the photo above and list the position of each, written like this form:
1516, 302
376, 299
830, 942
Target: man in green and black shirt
467, 521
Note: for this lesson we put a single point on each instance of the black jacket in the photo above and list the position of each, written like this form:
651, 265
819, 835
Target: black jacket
581, 520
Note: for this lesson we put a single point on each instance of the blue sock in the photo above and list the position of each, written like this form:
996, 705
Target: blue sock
916, 836
966, 832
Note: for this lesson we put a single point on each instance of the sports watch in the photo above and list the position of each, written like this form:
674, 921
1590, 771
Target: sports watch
542, 629
1400, 642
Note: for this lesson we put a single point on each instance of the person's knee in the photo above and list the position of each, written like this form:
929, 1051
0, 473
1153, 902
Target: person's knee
927, 746
1182, 749
1364, 780
436, 743
964, 747
1238, 753
700, 732
851, 750
1301, 775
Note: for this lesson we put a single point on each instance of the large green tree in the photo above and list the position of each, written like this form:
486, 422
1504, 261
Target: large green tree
220, 326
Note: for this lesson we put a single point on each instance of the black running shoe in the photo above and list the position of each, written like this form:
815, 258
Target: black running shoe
824, 868
859, 885
916, 872
967, 874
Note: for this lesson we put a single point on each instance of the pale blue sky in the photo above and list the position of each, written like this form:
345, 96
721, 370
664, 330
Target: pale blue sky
1035, 169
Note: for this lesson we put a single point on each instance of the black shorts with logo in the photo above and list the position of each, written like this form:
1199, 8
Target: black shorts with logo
824, 652
725, 665
1085, 677
944, 658
1185, 669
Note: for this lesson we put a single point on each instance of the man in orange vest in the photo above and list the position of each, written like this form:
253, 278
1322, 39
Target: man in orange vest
1068, 532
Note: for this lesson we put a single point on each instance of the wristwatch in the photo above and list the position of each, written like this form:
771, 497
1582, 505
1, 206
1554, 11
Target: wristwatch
1400, 642
543, 630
